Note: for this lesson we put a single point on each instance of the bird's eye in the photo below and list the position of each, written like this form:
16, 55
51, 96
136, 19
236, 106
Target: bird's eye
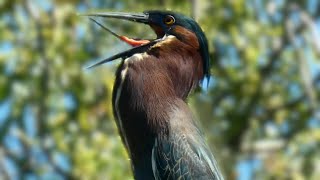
169, 20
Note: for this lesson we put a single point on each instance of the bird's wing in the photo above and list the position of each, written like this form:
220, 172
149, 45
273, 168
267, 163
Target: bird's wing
182, 155
178, 158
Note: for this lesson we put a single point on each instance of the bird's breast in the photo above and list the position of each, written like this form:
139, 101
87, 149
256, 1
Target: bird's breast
136, 96
145, 87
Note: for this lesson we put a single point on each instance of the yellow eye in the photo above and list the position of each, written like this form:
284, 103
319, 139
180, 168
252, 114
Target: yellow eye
169, 20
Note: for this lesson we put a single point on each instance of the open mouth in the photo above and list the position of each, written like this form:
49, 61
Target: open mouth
138, 45
134, 42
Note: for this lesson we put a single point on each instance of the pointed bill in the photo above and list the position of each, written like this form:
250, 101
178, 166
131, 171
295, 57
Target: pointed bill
135, 17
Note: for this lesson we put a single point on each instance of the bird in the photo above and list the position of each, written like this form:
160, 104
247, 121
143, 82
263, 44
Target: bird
152, 84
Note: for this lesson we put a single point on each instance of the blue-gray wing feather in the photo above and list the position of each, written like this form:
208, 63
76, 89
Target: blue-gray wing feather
179, 157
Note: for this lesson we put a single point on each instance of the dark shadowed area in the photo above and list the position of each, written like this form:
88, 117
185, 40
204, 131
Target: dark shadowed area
259, 111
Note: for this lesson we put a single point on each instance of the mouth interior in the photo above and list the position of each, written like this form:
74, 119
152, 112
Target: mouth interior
134, 42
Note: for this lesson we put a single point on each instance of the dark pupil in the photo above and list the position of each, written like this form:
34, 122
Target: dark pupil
168, 20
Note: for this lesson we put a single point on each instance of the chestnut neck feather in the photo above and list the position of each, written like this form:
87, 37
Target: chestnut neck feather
180, 58
153, 83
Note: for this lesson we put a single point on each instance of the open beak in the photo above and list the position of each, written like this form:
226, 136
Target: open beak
139, 46
136, 17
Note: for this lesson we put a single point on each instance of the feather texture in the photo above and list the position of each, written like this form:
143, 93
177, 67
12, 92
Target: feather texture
154, 121
183, 153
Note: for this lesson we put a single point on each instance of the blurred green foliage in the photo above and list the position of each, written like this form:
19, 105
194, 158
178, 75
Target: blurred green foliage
260, 110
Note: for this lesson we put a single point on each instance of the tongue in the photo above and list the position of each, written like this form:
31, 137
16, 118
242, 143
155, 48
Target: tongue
133, 42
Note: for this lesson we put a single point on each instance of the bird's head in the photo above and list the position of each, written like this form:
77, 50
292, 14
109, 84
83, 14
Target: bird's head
163, 23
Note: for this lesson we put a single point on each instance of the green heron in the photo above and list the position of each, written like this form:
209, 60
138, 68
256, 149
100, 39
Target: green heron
152, 84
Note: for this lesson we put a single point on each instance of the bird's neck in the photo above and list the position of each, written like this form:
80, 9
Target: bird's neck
181, 61
147, 86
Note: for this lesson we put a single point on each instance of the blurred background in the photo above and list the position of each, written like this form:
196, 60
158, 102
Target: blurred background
260, 110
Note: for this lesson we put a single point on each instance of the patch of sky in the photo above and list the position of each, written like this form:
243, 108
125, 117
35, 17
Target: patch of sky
295, 17
5, 109
271, 129
249, 5
312, 6
5, 47
284, 128
62, 161
233, 56
80, 31
277, 17
299, 42
227, 13
219, 45
260, 10
314, 123
262, 60
259, 111
277, 14
294, 90
69, 101
46, 5
274, 128
119, 5
7, 18
10, 67
21, 18
81, 8
11, 168
246, 168
314, 66
12, 142
29, 122
30, 176
279, 2
98, 4
52, 175
39, 156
